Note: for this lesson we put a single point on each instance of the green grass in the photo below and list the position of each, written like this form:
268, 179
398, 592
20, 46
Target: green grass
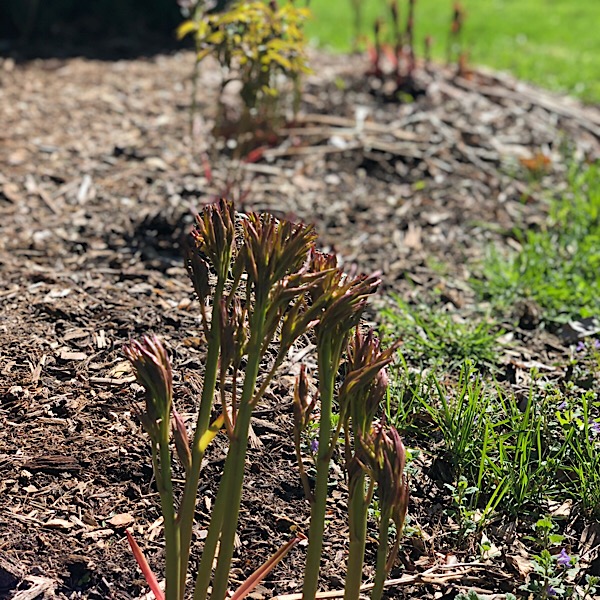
506, 453
432, 337
558, 266
553, 43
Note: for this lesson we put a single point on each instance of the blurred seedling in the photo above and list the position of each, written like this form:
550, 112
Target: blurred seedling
257, 44
393, 56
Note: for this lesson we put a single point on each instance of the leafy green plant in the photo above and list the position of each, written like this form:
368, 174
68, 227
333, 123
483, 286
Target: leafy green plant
553, 573
460, 414
403, 400
522, 440
580, 423
264, 285
254, 43
462, 505
513, 453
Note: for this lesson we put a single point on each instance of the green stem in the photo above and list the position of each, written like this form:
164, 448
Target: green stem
210, 543
188, 501
357, 520
234, 467
236, 456
319, 505
172, 547
381, 567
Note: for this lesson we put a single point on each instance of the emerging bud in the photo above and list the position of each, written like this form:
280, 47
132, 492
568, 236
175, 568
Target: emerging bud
214, 235
199, 274
390, 461
275, 249
153, 371
366, 382
303, 403
233, 332
345, 296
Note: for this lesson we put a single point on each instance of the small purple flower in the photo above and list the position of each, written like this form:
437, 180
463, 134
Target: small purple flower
596, 344
563, 560
551, 591
314, 446
580, 346
595, 428
563, 405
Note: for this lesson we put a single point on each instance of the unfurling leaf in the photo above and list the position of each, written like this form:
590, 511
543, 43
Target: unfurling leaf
149, 575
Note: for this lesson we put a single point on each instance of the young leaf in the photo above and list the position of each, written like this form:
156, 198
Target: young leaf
145, 567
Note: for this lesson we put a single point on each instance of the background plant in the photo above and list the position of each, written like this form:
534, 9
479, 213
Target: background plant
255, 43
555, 48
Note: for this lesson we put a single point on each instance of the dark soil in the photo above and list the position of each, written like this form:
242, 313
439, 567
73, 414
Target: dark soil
98, 187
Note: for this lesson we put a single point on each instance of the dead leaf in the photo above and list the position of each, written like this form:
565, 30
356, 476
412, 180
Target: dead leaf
412, 238
69, 355
435, 218
157, 163
11, 192
520, 564
59, 524
121, 520
561, 510
121, 370
538, 163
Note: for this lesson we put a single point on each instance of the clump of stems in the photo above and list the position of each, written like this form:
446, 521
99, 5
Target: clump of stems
261, 284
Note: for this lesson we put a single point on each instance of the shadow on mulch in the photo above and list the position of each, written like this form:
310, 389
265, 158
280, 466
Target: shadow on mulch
113, 48
161, 238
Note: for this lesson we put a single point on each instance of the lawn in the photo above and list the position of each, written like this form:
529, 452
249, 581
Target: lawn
552, 43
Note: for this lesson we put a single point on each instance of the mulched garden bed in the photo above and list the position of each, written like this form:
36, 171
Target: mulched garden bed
98, 187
